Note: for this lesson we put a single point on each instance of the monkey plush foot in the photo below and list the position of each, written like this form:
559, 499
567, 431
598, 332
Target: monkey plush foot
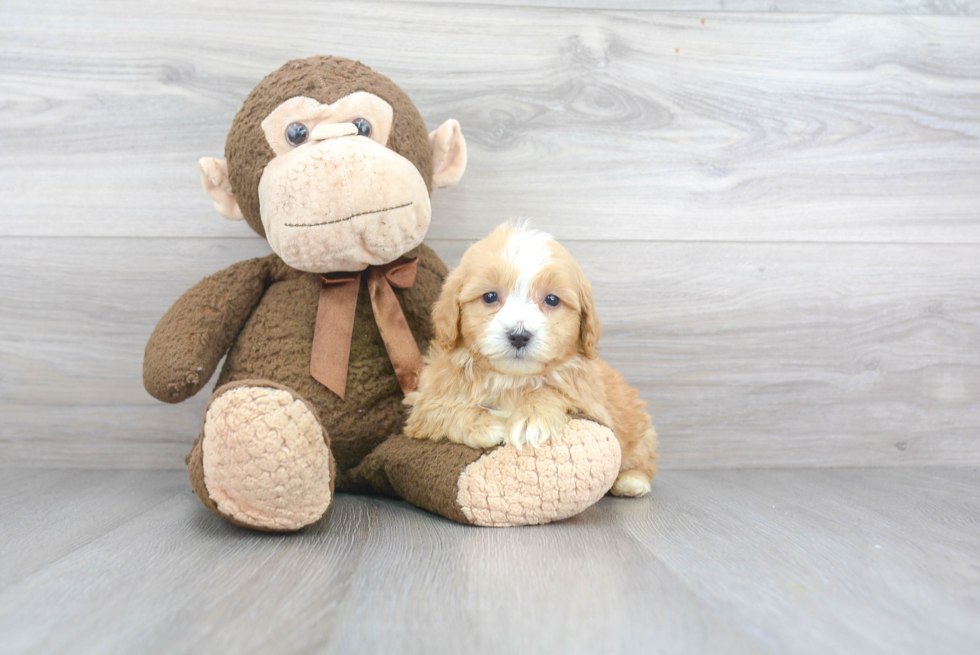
502, 486
262, 460
562, 478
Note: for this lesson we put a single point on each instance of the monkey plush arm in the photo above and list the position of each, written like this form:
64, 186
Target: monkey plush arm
197, 330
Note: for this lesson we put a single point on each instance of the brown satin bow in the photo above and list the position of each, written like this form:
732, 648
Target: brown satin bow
335, 324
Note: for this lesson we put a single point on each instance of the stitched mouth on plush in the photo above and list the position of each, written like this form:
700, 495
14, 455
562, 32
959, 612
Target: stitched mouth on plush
347, 218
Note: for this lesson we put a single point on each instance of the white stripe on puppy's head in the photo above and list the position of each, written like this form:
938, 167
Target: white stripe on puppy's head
530, 250
518, 301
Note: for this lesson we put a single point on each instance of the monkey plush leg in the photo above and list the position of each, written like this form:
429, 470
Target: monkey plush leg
502, 486
263, 459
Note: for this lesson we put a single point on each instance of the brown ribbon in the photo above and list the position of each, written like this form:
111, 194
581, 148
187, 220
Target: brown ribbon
335, 324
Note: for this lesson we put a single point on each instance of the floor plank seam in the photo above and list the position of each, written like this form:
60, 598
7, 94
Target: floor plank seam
566, 239
95, 539
707, 12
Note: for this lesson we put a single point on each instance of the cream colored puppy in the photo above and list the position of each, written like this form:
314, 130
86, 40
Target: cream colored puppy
515, 355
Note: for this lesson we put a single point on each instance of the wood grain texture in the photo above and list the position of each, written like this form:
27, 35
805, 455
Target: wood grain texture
602, 125
780, 209
926, 7
794, 562
771, 544
48, 514
749, 354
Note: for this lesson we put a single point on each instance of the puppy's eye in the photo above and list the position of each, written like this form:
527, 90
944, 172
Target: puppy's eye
551, 300
297, 134
490, 297
363, 127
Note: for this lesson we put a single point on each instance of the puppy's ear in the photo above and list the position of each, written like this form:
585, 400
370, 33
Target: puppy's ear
445, 313
591, 328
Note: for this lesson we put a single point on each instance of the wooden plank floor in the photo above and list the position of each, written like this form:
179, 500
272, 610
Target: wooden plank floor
736, 561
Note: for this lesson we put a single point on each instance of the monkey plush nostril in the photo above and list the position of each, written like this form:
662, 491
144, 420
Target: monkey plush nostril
519, 338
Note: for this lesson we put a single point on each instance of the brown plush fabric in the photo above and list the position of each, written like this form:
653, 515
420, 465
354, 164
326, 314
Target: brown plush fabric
273, 349
194, 334
425, 473
276, 342
325, 79
195, 469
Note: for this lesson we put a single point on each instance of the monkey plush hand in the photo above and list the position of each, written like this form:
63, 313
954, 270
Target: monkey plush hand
332, 164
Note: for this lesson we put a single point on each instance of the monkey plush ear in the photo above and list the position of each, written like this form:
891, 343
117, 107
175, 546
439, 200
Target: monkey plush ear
448, 154
217, 184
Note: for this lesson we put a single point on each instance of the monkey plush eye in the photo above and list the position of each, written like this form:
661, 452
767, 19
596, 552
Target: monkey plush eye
297, 134
363, 127
551, 300
490, 297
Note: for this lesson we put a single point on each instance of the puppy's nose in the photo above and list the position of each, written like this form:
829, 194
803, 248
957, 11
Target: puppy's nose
519, 338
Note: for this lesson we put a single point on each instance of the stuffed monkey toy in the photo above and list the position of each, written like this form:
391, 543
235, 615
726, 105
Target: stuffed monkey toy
332, 164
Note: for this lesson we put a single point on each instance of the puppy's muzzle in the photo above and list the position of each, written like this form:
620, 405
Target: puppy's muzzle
519, 338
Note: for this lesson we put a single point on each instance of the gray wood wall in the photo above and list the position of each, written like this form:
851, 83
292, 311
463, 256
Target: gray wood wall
780, 210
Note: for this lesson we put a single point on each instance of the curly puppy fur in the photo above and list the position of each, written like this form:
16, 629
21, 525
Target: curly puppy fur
515, 355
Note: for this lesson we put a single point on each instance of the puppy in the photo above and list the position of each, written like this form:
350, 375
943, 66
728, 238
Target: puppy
515, 355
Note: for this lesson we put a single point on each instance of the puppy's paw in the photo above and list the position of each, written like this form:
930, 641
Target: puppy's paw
631, 484
488, 432
534, 429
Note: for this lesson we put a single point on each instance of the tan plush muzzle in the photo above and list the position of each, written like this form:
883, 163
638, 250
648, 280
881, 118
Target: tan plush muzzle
343, 204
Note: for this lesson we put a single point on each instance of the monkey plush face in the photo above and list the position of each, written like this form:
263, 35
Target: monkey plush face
331, 162
335, 196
